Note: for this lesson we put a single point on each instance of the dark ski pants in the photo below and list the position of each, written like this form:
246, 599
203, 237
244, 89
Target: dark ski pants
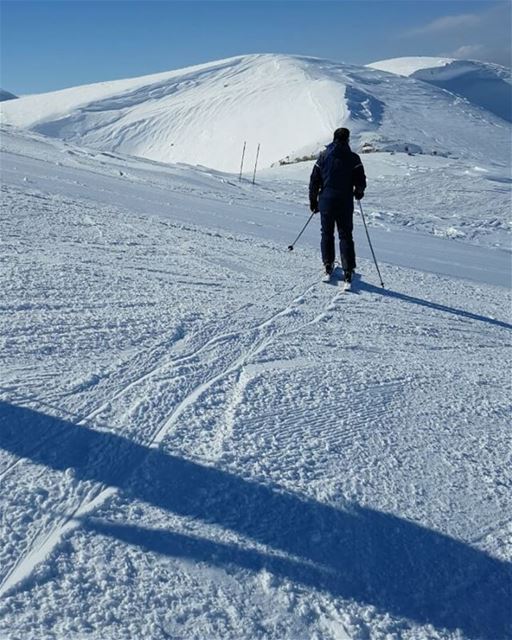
343, 220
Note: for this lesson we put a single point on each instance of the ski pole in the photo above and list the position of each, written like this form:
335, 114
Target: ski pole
290, 247
370, 243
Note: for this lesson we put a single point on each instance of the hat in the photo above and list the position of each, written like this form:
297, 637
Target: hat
342, 134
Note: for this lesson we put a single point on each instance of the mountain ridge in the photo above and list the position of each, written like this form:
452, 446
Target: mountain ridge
484, 84
289, 104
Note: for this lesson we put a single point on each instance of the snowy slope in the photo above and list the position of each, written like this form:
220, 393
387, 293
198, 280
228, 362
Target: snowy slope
482, 83
290, 104
408, 65
434, 196
213, 444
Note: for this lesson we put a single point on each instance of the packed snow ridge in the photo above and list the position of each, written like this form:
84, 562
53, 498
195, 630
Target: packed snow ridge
288, 104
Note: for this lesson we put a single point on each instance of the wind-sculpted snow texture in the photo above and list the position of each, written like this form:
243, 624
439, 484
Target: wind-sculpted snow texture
290, 104
199, 439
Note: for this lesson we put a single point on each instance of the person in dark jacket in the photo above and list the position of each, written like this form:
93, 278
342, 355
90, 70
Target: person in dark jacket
337, 178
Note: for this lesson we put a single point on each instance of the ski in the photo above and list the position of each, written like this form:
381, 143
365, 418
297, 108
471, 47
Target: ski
337, 277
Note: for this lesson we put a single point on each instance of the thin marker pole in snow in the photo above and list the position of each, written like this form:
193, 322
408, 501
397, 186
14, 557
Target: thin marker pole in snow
255, 164
370, 243
242, 163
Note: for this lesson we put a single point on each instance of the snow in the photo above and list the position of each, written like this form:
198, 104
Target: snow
6, 95
200, 439
408, 65
290, 104
483, 84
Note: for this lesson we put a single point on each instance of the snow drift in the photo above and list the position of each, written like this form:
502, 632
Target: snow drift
290, 104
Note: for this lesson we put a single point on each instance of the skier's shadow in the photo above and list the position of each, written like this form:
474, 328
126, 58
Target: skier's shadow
359, 285
355, 553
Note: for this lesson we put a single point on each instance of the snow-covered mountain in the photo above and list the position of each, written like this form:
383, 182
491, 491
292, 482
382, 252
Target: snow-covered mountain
289, 104
408, 65
482, 83
6, 95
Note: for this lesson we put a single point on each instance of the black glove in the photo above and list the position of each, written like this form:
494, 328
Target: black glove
313, 205
358, 195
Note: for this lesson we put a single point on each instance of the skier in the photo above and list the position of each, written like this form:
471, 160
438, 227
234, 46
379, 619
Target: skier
337, 178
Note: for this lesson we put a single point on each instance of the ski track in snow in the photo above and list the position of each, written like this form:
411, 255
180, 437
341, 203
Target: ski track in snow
260, 337
40, 549
294, 410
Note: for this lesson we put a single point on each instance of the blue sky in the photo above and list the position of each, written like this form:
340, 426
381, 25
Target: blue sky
51, 45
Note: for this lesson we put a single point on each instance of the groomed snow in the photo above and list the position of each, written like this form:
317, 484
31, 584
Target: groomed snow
199, 439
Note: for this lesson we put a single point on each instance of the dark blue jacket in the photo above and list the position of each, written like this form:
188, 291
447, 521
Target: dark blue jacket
336, 176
